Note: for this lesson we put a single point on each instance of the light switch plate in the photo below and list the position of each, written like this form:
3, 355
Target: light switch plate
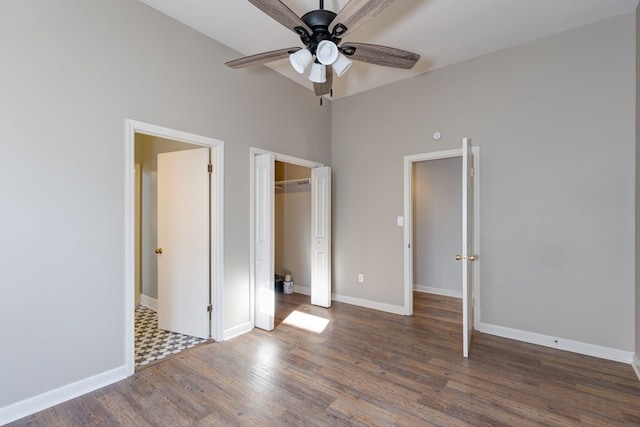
400, 221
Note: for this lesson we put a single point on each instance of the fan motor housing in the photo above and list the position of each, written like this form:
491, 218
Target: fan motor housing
318, 21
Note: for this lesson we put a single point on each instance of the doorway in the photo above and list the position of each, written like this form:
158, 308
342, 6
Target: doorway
174, 213
466, 162
436, 218
212, 303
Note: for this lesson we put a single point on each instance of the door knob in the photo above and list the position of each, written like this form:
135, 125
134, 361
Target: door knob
159, 250
471, 258
459, 257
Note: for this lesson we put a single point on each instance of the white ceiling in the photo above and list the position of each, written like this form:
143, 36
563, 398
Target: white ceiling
443, 32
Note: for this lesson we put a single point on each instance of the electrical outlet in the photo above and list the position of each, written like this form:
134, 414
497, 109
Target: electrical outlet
361, 278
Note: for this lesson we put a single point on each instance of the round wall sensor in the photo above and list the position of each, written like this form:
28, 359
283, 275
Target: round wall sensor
437, 136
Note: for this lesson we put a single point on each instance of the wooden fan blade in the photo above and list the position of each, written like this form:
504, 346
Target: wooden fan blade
281, 13
324, 88
357, 12
261, 58
381, 55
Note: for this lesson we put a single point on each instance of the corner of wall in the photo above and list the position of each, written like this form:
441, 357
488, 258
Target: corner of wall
636, 365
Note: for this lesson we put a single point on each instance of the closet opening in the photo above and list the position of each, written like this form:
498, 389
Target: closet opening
292, 238
300, 227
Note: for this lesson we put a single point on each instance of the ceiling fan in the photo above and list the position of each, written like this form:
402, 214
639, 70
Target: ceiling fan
324, 43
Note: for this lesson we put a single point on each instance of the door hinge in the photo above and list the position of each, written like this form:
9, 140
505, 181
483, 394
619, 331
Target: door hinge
210, 168
472, 172
209, 308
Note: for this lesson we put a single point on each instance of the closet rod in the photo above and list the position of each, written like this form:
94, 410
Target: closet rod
301, 181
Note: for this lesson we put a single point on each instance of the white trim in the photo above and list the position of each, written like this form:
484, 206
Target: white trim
475, 273
238, 330
149, 302
56, 396
408, 225
559, 343
217, 245
304, 290
374, 305
253, 152
133, 127
636, 365
285, 158
437, 291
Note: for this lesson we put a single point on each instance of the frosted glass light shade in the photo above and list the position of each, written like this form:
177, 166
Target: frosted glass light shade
318, 73
341, 65
300, 60
327, 52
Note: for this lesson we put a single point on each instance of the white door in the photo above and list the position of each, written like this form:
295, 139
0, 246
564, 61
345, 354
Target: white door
467, 245
264, 176
321, 236
183, 242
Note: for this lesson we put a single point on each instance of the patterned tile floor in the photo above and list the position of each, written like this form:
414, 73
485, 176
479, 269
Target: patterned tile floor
154, 344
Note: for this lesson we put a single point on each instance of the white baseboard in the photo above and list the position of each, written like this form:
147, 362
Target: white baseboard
395, 309
50, 398
559, 343
636, 365
237, 330
437, 291
304, 290
149, 302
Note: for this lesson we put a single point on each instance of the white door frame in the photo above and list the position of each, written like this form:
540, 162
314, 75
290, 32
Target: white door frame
408, 229
253, 152
132, 128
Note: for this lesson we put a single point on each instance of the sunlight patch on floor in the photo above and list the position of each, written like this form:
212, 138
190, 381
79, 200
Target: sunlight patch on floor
307, 322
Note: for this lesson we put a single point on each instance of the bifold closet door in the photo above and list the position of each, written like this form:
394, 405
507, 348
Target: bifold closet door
321, 236
264, 176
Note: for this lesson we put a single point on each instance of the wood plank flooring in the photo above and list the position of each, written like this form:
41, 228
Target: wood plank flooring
366, 368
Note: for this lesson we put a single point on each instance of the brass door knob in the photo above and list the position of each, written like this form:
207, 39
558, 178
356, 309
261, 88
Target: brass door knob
459, 257
159, 250
471, 258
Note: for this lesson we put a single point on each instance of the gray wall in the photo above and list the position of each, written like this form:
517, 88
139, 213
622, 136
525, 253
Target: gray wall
73, 71
555, 123
437, 224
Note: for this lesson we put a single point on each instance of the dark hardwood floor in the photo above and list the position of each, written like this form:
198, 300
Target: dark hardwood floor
366, 368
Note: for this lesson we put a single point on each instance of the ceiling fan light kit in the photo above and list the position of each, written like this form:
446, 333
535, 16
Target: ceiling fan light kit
341, 65
324, 44
327, 52
300, 60
318, 73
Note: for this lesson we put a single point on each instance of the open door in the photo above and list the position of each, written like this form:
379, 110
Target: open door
183, 242
264, 241
321, 236
467, 245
